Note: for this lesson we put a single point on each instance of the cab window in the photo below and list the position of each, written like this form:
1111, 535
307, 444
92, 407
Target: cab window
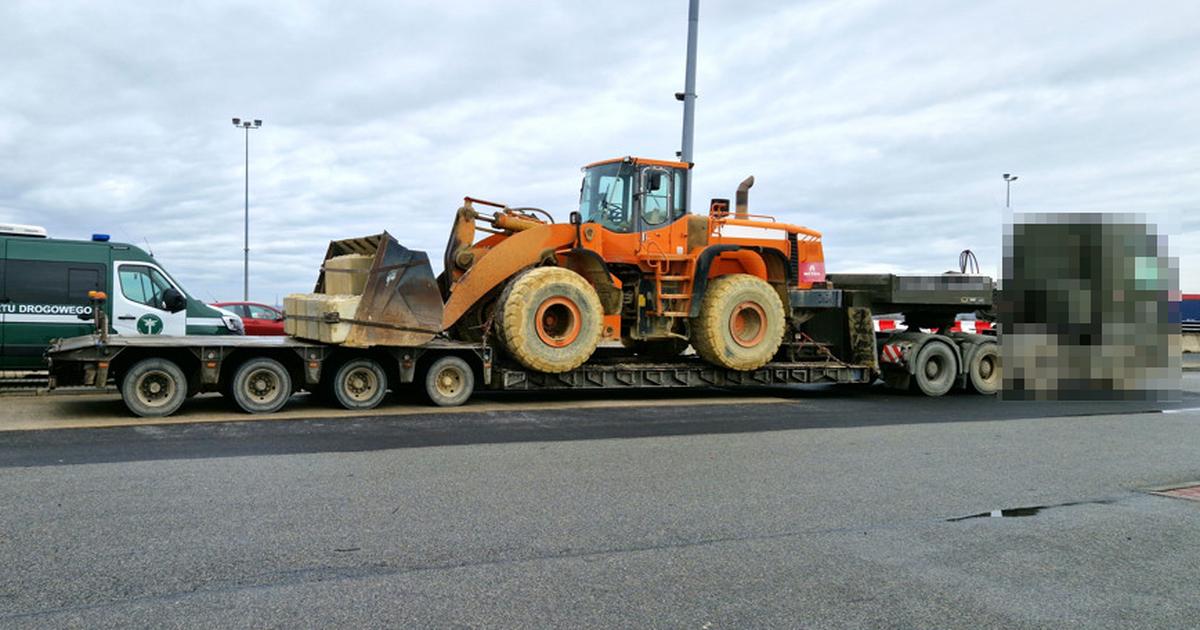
656, 197
606, 196
679, 207
143, 285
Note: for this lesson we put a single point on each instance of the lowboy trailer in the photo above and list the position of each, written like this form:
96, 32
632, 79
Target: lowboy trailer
156, 374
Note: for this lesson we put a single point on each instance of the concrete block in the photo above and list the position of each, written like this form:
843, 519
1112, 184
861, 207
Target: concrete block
347, 275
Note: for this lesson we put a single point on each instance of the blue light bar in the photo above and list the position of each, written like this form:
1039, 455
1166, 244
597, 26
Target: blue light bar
101, 238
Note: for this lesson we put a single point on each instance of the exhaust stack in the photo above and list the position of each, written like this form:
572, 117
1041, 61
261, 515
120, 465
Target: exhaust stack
743, 198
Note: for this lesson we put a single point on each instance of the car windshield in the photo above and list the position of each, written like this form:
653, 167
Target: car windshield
606, 196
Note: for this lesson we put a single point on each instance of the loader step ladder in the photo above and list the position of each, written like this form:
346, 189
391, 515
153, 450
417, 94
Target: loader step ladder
673, 284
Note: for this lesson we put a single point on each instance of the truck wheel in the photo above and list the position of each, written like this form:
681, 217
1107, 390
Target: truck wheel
449, 382
936, 369
656, 349
360, 384
985, 369
550, 319
154, 388
261, 385
741, 323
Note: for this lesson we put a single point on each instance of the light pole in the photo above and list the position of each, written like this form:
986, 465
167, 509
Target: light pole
246, 125
1008, 180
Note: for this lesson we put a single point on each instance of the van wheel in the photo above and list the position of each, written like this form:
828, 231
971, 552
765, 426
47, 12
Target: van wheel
261, 386
154, 388
936, 369
360, 384
449, 382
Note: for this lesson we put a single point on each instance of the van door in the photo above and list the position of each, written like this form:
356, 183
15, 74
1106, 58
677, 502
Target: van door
138, 307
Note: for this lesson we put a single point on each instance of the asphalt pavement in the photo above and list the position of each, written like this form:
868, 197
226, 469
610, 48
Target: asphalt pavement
820, 508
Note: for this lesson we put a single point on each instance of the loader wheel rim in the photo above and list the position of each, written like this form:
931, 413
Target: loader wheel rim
449, 382
360, 384
558, 322
748, 324
155, 388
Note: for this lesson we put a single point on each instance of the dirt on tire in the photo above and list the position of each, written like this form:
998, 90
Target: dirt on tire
549, 319
745, 299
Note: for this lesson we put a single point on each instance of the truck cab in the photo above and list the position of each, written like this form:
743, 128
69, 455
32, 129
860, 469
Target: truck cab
44, 294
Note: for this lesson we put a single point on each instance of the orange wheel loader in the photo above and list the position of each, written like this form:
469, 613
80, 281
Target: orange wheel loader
631, 265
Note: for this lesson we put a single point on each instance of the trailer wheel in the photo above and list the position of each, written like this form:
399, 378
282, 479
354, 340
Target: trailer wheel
154, 388
261, 385
449, 382
741, 323
360, 384
936, 369
550, 319
984, 370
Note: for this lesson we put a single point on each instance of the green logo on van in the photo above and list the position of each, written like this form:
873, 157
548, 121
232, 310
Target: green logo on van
149, 324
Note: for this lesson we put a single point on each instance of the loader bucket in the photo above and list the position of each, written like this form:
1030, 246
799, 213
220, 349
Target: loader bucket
400, 303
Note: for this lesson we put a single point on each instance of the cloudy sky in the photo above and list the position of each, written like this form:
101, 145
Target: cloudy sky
886, 125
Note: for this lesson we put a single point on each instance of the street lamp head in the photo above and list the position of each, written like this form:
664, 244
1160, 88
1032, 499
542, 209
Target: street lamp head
1014, 178
1007, 176
258, 123
237, 122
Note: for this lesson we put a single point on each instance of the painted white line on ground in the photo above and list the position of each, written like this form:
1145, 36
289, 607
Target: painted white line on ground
1187, 410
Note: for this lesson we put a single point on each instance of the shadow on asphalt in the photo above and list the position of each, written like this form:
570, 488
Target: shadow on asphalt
811, 407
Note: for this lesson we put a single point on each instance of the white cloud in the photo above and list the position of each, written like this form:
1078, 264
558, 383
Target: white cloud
885, 125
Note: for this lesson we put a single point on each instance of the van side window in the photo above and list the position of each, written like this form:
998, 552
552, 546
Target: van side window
143, 285
51, 282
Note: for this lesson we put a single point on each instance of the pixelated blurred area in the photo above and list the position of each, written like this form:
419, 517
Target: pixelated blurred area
1089, 309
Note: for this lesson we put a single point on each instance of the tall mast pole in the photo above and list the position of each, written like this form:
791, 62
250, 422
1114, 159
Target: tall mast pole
689, 93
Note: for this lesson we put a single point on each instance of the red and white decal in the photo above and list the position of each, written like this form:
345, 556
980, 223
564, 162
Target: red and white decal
965, 325
812, 272
892, 353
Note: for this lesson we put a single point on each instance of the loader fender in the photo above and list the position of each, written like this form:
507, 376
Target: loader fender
506, 259
592, 267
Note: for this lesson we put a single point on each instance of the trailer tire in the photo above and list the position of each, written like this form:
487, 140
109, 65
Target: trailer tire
153, 388
550, 319
936, 369
449, 382
984, 371
359, 384
741, 323
261, 385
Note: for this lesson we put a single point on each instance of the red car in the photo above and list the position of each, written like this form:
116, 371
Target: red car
259, 319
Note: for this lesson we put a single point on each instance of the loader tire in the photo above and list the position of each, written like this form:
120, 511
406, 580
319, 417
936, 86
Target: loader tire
741, 323
549, 319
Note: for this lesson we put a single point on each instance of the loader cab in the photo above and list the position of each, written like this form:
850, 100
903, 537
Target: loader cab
629, 195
